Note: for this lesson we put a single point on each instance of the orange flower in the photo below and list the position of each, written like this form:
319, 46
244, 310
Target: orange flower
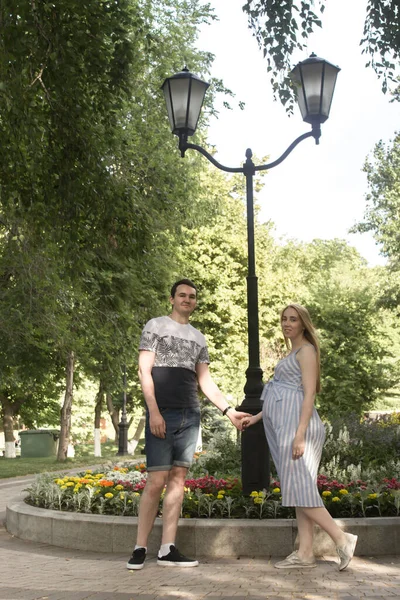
105, 483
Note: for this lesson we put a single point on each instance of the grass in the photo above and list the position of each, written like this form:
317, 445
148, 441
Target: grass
391, 401
84, 457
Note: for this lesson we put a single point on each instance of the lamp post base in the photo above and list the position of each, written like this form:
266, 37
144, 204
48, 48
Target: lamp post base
255, 459
123, 439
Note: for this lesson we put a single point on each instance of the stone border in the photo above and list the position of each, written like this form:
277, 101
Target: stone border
197, 537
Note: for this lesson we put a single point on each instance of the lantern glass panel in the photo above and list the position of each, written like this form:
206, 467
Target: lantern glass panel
312, 78
179, 100
331, 73
198, 91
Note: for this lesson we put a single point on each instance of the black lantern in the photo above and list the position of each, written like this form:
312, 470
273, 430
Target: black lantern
184, 94
314, 80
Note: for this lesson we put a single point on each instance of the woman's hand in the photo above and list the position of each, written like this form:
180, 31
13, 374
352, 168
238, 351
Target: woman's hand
298, 447
249, 421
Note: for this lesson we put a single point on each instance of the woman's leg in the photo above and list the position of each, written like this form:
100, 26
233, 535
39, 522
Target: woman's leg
323, 519
305, 527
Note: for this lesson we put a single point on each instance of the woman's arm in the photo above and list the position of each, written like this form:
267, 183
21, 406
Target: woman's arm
307, 359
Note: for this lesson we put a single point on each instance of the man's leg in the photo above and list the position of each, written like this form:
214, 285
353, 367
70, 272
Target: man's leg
149, 503
169, 555
172, 503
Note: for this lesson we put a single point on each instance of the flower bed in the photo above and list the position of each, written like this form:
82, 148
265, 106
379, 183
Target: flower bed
117, 492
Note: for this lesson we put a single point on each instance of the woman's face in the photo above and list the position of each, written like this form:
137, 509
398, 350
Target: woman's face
292, 326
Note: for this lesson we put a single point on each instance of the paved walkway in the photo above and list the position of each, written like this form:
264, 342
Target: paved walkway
32, 571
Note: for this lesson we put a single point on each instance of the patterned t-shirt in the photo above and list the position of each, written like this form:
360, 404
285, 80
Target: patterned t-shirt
178, 349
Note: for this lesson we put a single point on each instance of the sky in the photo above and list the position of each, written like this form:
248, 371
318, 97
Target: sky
318, 191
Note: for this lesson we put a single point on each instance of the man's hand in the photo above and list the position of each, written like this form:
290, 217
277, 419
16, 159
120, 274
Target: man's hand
157, 425
236, 418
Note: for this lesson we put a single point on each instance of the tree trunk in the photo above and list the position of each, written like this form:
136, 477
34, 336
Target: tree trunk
114, 414
97, 419
8, 426
65, 421
132, 444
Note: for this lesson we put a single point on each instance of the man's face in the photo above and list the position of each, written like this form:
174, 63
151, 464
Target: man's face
184, 301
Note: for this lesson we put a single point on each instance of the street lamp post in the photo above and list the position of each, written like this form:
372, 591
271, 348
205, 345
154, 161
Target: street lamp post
123, 424
314, 81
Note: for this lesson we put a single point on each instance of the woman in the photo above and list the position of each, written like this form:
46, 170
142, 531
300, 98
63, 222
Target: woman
296, 435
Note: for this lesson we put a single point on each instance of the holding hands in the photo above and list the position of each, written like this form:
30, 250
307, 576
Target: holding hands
250, 420
237, 418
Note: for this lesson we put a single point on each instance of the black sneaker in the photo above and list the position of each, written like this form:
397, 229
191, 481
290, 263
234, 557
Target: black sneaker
137, 559
175, 559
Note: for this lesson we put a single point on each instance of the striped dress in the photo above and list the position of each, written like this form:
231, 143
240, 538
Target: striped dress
282, 402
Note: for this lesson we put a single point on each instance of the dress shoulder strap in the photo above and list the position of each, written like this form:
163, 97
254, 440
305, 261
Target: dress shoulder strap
298, 349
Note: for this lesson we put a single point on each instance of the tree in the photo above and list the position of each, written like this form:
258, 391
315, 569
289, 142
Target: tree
382, 214
281, 28
383, 199
89, 182
359, 339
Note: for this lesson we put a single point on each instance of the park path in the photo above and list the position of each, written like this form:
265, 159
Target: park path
32, 571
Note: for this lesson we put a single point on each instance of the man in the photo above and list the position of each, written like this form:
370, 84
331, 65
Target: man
173, 360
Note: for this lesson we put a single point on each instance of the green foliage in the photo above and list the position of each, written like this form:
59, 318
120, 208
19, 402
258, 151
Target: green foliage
383, 199
366, 449
222, 456
92, 192
281, 28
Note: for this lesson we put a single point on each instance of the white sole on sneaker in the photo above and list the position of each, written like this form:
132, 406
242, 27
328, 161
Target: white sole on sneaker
134, 567
164, 563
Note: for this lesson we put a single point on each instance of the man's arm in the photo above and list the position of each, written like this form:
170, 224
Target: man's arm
214, 394
156, 422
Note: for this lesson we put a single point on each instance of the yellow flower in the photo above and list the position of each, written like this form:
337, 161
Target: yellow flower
63, 487
221, 492
136, 494
343, 492
70, 484
122, 495
254, 494
372, 496
336, 499
326, 493
258, 500
109, 495
119, 487
276, 490
220, 497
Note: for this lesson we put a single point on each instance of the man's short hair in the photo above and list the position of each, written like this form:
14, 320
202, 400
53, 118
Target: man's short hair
182, 282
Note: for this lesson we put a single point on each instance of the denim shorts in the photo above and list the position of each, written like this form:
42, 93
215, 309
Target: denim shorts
179, 444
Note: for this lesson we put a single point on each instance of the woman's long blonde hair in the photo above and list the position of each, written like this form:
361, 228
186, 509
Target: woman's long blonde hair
309, 333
